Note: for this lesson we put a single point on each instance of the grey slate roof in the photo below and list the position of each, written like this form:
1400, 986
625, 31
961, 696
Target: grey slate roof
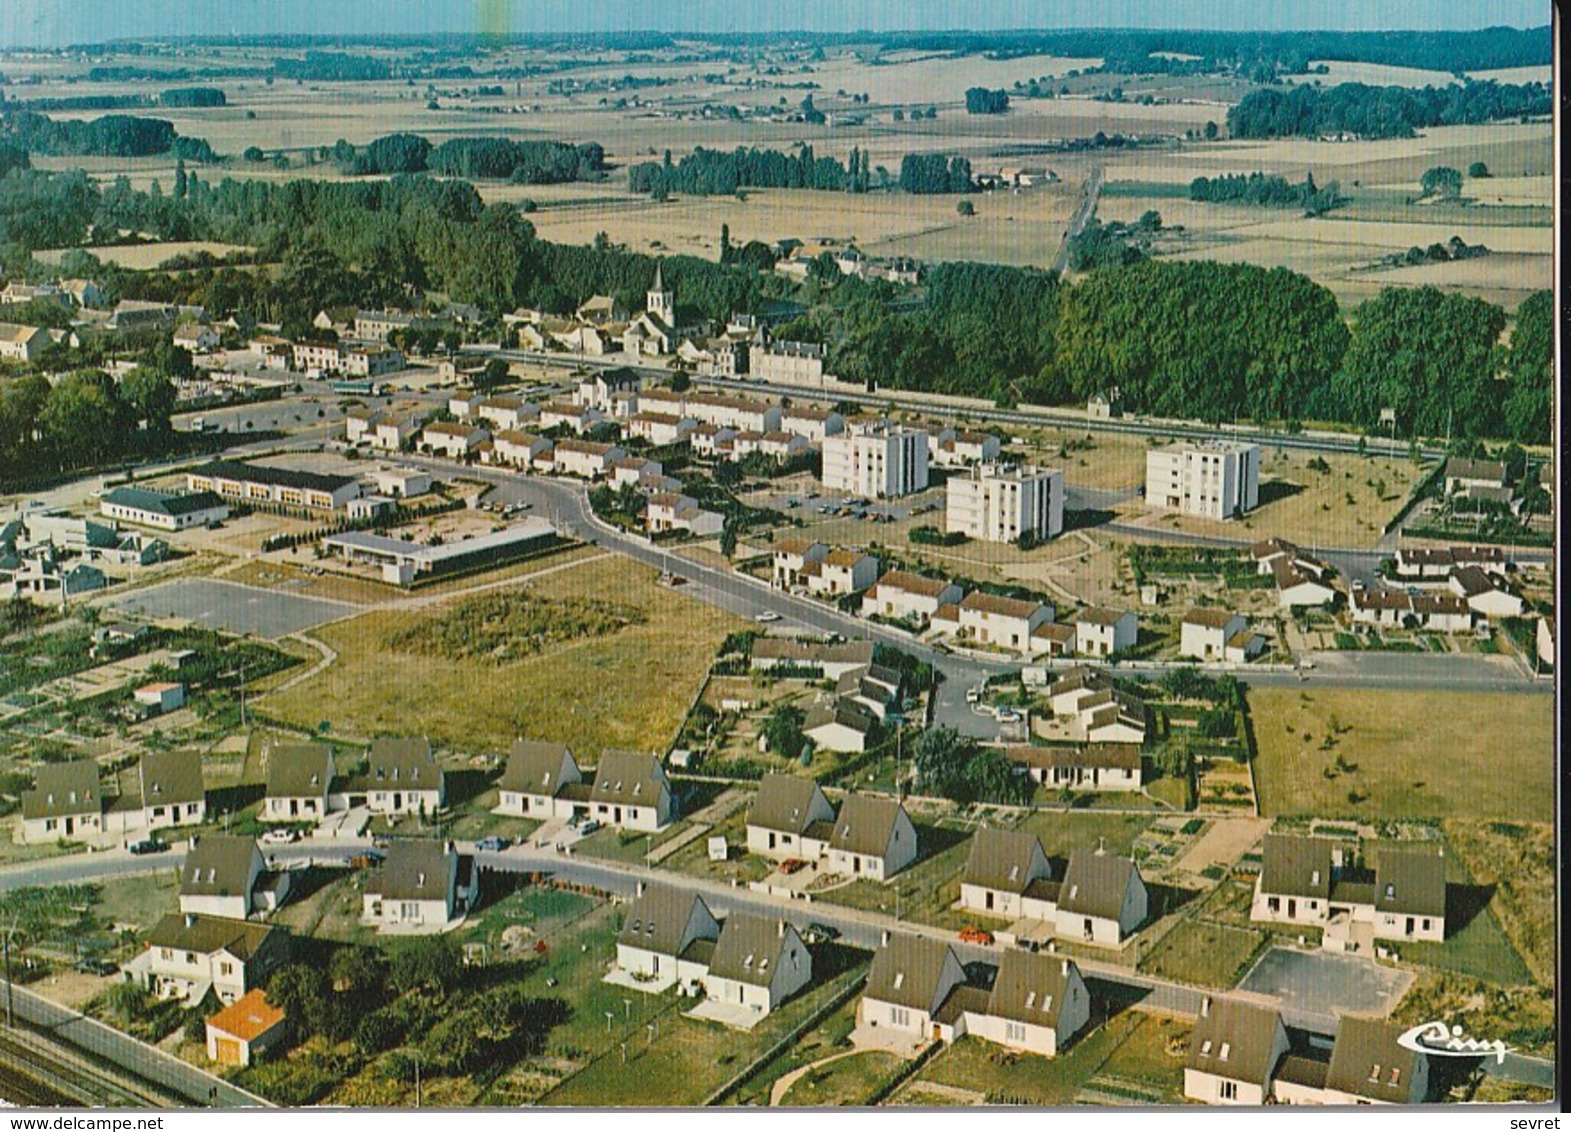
61, 789
1002, 859
628, 778
1233, 1039
299, 770
847, 713
1292, 865
1410, 880
784, 802
163, 503
1030, 987
172, 778
750, 948
533, 767
1094, 884
865, 825
1367, 1061
907, 971
218, 865
659, 918
414, 870
813, 652
207, 934
404, 762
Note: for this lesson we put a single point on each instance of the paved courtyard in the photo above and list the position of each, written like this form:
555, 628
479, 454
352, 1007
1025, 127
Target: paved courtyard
1320, 985
231, 607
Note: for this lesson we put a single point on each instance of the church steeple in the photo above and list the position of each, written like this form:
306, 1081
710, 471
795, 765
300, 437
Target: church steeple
661, 302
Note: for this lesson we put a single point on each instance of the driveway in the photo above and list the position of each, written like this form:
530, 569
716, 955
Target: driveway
1317, 986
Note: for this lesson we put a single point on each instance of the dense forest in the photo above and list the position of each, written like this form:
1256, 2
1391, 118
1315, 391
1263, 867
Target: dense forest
1381, 111
935, 173
114, 135
980, 100
473, 158
710, 172
1271, 190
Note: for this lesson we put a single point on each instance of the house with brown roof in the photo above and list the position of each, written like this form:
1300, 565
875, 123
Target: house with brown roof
1113, 716
1234, 1051
1436, 563
452, 438
1093, 766
758, 964
875, 688
65, 803
1038, 1004
872, 837
790, 817
1487, 594
1005, 871
999, 622
792, 556
402, 777
829, 660
299, 780
1102, 899
542, 781
1294, 885
1218, 635
668, 935
223, 875
843, 572
911, 978
1102, 632
1074, 687
423, 885
1398, 894
186, 955
902, 595
585, 459
631, 790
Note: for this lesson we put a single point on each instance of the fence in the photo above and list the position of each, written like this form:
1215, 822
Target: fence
836, 1001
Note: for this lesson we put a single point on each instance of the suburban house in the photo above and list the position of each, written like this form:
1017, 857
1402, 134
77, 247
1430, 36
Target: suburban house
1487, 594
1217, 635
576, 418
988, 619
1102, 899
1370, 1066
875, 688
829, 660
1038, 1004
1463, 476
1102, 632
1074, 687
1096, 766
65, 803
1442, 612
901, 595
596, 389
299, 779
378, 429
225, 876
22, 343
659, 429
1113, 716
401, 778
1294, 885
709, 440
758, 963
517, 449
423, 884
1234, 1052
1436, 563
1005, 871
911, 977
187, 955
542, 780
668, 935
245, 1030
585, 458
843, 572
672, 511
790, 817
506, 410
162, 510
813, 425
959, 448
1399, 894
740, 413
872, 837
631, 790
792, 557
454, 439
172, 789
840, 725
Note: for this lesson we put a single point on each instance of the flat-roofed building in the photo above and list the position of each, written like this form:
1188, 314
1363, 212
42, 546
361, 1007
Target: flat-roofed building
1215, 479
999, 503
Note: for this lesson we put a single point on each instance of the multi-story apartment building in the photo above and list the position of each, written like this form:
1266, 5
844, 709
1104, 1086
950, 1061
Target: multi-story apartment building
998, 503
877, 458
1216, 479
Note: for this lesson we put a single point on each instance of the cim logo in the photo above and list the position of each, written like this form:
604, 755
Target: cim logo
1438, 1040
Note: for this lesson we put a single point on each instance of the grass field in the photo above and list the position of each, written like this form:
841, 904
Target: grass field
1204, 952
1517, 860
140, 257
848, 1081
1417, 754
629, 689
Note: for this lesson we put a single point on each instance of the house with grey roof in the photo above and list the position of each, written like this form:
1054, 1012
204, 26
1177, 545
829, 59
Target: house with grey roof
1093, 766
224, 876
1234, 1052
186, 955
1370, 1066
402, 777
542, 781
790, 817
173, 793
912, 977
1102, 899
831, 659
423, 885
66, 802
1038, 1003
875, 688
758, 963
1006, 871
631, 790
1294, 885
872, 837
299, 780
842, 725
668, 935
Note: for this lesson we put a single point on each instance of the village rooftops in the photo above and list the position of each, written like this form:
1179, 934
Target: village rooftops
1272, 548
1030, 988
1116, 756
907, 971
813, 652
1484, 470
298, 770
1100, 615
628, 778
749, 949
172, 777
1473, 580
1368, 1061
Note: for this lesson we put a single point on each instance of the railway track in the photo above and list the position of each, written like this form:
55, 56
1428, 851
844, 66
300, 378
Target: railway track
35, 1073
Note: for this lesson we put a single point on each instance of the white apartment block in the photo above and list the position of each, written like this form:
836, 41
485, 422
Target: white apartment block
996, 503
1216, 479
878, 459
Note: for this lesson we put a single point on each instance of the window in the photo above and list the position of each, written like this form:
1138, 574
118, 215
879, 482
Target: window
1374, 1072
1396, 1075
1227, 1090
1227, 1048
1014, 1032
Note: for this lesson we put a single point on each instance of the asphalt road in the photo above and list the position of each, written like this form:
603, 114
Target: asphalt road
1084, 210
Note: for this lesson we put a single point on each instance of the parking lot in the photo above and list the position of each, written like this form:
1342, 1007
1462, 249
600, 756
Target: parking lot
231, 607
1320, 985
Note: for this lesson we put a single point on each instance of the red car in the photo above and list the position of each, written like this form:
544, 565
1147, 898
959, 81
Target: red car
792, 866
976, 935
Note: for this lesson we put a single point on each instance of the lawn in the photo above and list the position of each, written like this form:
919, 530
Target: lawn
1148, 1066
627, 689
142, 900
829, 1036
1498, 764
1061, 833
1518, 860
1204, 952
922, 892
851, 1080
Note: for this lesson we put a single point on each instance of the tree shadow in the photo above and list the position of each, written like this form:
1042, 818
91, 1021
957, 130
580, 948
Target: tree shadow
1274, 491
1082, 518
931, 840
1465, 903
1164, 898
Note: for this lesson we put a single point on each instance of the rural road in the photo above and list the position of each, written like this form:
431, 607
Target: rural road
1085, 208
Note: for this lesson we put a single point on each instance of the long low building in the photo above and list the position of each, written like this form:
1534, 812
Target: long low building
257, 483
402, 562
165, 511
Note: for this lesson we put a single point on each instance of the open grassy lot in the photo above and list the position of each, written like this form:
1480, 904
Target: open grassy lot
847, 1081
1205, 952
1521, 1016
141, 257
830, 1036
1060, 833
1475, 755
1516, 861
627, 689
923, 891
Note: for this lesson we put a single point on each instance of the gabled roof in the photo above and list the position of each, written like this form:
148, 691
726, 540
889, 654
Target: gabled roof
299, 770
1100, 615
907, 971
1458, 468
1210, 618
61, 789
865, 825
172, 777
219, 865
813, 652
1076, 679
911, 583
276, 477
414, 870
406, 762
208, 934
847, 713
533, 767
1002, 859
249, 1017
1474, 580
1367, 1061
1030, 988
784, 803
1117, 756
1271, 548
163, 503
1410, 879
750, 948
1292, 865
1003, 606
628, 778
1233, 1038
1095, 883
658, 919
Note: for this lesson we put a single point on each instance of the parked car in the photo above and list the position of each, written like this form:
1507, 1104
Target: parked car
971, 934
819, 933
147, 845
588, 826
766, 617
492, 844
101, 967
973, 695
280, 837
793, 865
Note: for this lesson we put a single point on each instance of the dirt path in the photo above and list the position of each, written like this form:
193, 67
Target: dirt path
780, 1088
1224, 843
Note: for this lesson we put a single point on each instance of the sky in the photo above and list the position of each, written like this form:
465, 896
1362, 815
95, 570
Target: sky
49, 23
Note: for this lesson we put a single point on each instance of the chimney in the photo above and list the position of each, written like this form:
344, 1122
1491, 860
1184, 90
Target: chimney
1063, 968
638, 889
1205, 1006
883, 939
780, 929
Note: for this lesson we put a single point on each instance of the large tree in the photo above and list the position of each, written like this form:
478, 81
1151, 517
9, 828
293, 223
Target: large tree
1530, 367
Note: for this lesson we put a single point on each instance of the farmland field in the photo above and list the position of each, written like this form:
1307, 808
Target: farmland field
1485, 755
141, 257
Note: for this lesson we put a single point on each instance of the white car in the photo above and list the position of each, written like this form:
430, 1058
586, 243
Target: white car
766, 617
280, 837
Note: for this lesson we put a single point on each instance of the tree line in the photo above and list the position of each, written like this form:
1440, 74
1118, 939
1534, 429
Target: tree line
927, 173
711, 172
473, 158
1269, 189
193, 96
1381, 111
980, 100
113, 135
